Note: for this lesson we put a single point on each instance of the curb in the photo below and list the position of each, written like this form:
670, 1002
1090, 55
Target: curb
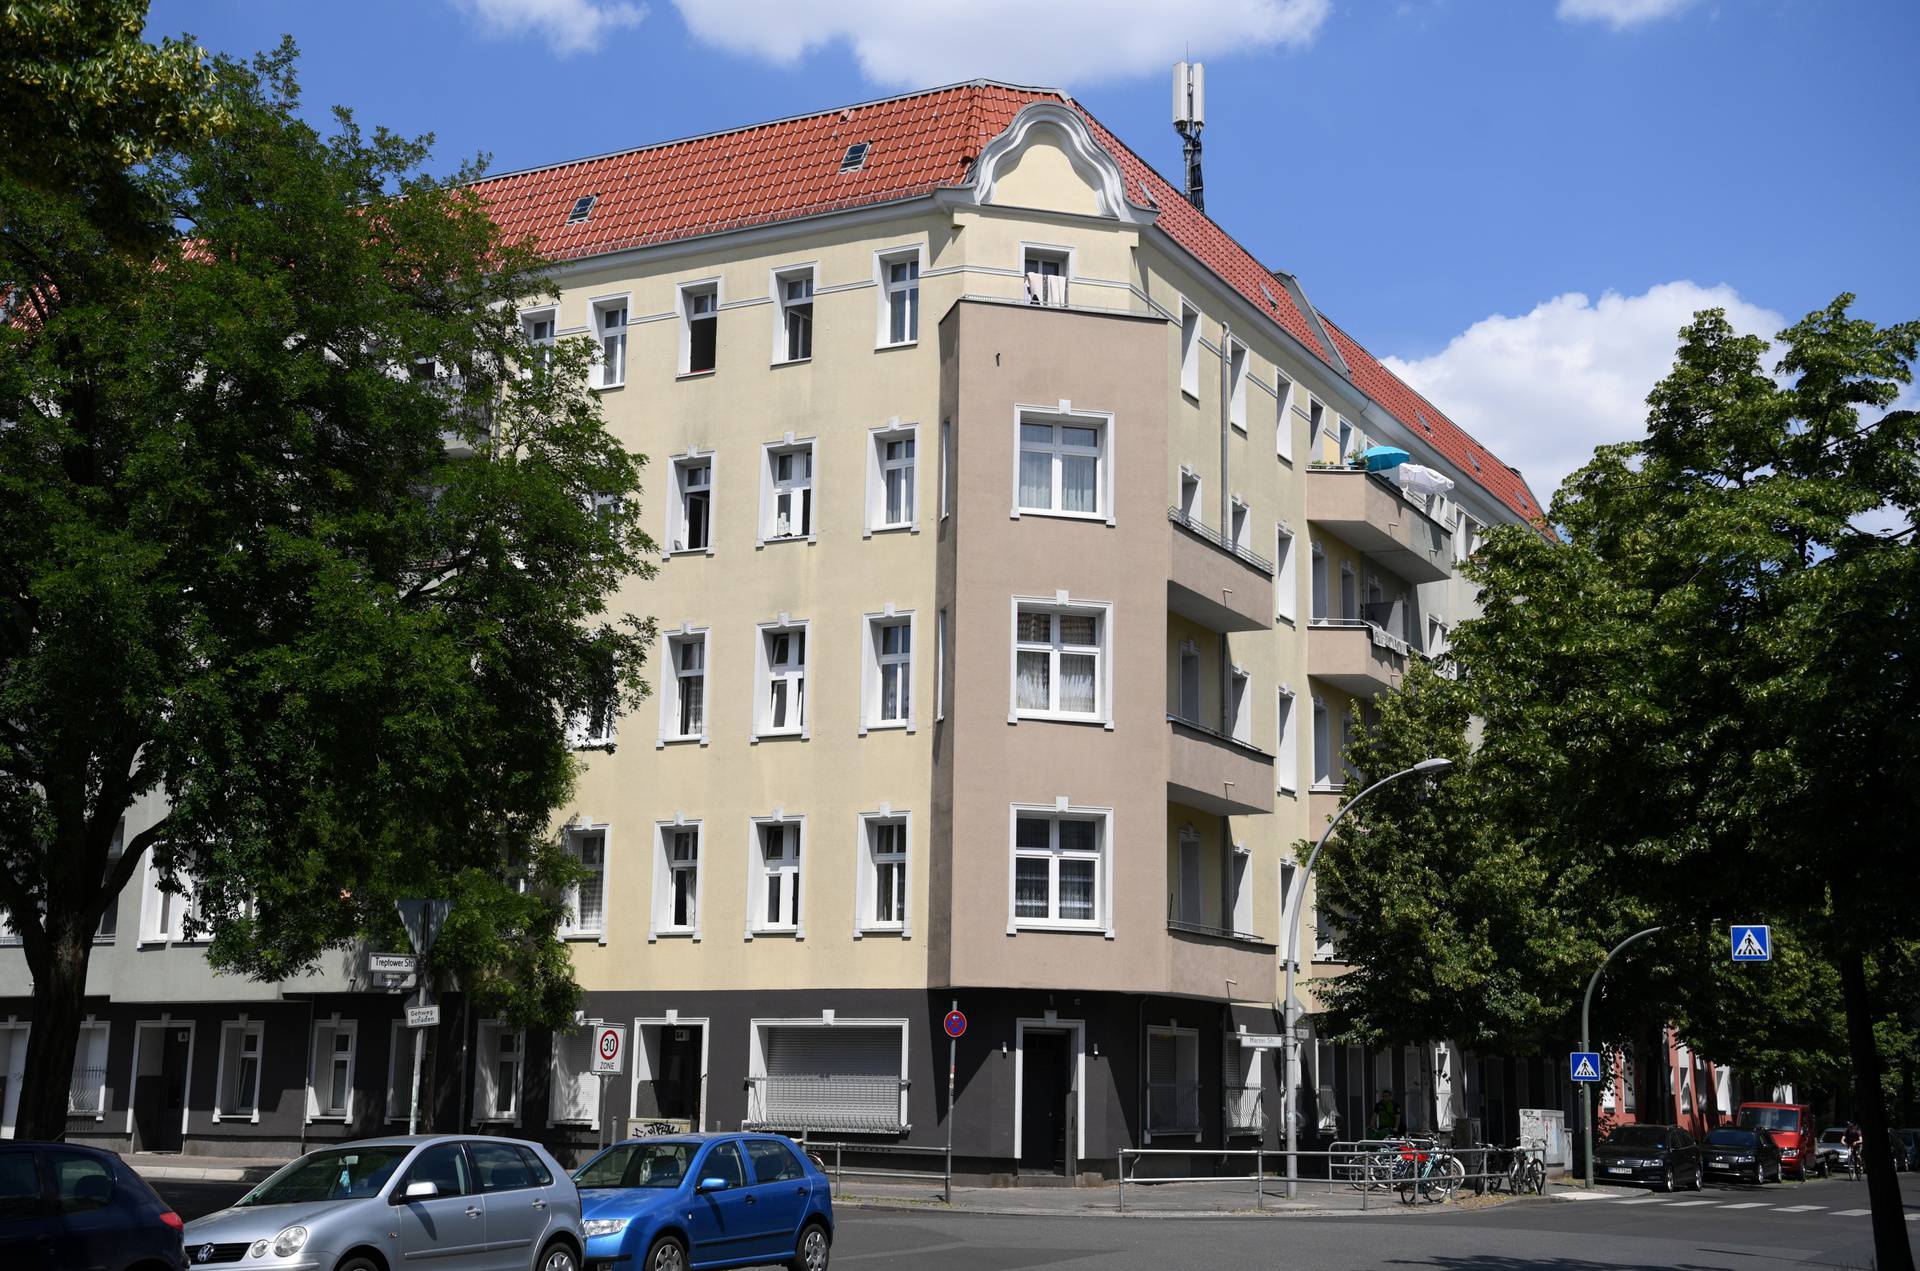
1272, 1210
206, 1174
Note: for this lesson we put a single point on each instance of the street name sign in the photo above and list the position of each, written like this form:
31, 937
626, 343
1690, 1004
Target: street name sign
1584, 1065
423, 1016
1752, 943
1263, 1041
610, 1049
390, 963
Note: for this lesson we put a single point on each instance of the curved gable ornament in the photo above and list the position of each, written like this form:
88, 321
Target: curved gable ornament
1090, 160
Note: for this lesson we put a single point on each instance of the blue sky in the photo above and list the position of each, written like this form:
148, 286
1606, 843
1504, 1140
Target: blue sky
1517, 200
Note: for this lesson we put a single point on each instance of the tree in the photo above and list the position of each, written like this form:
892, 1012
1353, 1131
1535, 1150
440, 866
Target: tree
1699, 706
297, 531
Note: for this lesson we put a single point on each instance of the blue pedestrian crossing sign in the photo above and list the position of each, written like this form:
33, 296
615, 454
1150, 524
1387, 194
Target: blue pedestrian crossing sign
1752, 944
1584, 1065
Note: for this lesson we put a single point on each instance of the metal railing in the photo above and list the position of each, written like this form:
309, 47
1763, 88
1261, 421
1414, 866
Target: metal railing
84, 1092
830, 1155
1245, 1115
826, 1103
1194, 525
1412, 1169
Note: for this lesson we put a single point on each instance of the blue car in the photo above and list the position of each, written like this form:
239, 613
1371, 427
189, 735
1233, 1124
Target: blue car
704, 1200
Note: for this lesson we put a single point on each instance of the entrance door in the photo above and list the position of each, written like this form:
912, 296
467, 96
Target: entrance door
160, 1091
678, 1077
1046, 1084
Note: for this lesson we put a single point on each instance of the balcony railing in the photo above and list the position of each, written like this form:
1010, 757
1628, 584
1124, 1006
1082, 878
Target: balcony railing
1194, 525
1245, 1115
83, 1093
829, 1103
1173, 1107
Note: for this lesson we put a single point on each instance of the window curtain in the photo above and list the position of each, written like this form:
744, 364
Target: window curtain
1076, 683
1034, 686
1078, 474
1036, 479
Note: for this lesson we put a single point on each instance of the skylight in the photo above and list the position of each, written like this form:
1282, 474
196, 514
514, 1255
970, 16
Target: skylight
1271, 302
1419, 415
582, 208
855, 157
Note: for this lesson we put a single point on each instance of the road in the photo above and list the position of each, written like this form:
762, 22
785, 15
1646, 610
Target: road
1817, 1224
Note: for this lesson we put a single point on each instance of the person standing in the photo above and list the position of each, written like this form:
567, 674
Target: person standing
1386, 1116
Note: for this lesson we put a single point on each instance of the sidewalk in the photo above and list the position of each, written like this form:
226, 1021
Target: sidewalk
1152, 1200
230, 1169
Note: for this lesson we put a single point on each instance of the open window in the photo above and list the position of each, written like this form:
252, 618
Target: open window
899, 279
610, 329
774, 902
1047, 270
1283, 419
1286, 762
1237, 360
786, 492
782, 708
690, 510
676, 880
1191, 508
1240, 706
683, 700
699, 326
793, 296
1189, 350
1285, 583
237, 1093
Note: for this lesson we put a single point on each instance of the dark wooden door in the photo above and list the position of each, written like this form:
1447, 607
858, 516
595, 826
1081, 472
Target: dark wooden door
1044, 1088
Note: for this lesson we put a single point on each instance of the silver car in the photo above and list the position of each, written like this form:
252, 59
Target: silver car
461, 1203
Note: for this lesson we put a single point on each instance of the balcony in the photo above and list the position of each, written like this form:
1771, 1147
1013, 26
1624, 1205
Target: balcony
1214, 773
1354, 655
1371, 515
1218, 585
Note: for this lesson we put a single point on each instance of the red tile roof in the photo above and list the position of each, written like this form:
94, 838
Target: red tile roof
919, 143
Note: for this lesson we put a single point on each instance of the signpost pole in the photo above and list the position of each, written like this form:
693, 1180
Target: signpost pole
419, 1055
953, 1051
1586, 1010
422, 920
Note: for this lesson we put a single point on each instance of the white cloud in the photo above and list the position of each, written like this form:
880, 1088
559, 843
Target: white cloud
905, 44
568, 26
1619, 14
1544, 388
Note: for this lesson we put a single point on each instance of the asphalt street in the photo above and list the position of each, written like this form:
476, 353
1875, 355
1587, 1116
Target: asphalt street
1817, 1224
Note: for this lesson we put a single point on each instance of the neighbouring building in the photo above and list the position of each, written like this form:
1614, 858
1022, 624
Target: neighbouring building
1015, 601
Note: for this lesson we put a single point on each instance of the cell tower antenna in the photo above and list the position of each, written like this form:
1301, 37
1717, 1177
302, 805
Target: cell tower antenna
1189, 117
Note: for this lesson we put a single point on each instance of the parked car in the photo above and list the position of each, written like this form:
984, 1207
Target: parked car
63, 1206
461, 1203
1905, 1144
1831, 1150
1664, 1155
705, 1200
1790, 1124
1912, 1137
1750, 1154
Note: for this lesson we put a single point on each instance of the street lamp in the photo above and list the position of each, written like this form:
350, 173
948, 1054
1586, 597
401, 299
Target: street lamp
1290, 908
1586, 1009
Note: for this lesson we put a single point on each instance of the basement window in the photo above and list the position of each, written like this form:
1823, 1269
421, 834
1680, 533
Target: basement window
582, 208
855, 157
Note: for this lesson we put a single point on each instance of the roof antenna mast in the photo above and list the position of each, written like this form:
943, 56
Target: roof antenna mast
1189, 116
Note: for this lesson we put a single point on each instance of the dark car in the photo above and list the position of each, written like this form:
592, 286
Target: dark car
1749, 1154
1831, 1150
64, 1206
1664, 1155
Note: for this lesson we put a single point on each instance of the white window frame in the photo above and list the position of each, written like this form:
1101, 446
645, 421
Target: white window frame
1286, 583
677, 505
178, 905
610, 371
530, 319
1190, 341
1239, 712
757, 875
660, 914
867, 875
763, 679
104, 1028
1103, 649
778, 281
1346, 434
883, 260
573, 839
873, 664
684, 294
1189, 892
1322, 747
946, 467
1319, 584
940, 666
672, 689
1192, 497
256, 1030
878, 465
1063, 414
1283, 416
1060, 809
1239, 366
319, 1064
770, 488
1054, 253
1239, 885
1316, 426
1239, 523
1186, 1045
489, 1056
1286, 759
556, 1115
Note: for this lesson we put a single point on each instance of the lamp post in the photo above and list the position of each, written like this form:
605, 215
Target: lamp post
1586, 1009
1291, 916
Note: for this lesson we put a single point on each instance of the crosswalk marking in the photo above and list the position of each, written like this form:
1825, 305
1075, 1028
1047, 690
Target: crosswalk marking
1645, 1200
1851, 1213
1752, 1204
1800, 1209
1689, 1204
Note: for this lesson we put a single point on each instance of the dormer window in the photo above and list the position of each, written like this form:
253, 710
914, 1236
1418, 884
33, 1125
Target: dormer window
855, 158
582, 208
1046, 271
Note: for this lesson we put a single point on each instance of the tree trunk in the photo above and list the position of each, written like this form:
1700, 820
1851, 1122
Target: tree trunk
1890, 1247
59, 991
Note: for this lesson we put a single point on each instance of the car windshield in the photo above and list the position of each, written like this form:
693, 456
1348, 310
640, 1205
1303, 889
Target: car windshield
1728, 1137
1769, 1118
637, 1165
345, 1173
1639, 1136
1835, 1135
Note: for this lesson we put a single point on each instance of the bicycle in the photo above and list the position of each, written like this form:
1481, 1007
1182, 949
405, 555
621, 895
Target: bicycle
1526, 1172
1855, 1166
1433, 1175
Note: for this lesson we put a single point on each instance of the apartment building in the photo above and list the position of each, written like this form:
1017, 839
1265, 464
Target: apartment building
1015, 599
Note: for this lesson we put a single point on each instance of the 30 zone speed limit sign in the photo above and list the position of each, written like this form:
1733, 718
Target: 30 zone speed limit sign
610, 1048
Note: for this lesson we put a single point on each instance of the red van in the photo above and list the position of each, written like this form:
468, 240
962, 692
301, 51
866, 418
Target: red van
1791, 1125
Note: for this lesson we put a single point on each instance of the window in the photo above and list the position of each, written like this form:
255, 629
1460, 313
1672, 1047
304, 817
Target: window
855, 158
1289, 873
676, 895
1058, 868
500, 1166
539, 328
501, 1057
1242, 1072
1237, 522
793, 294
110, 916
899, 297
610, 326
594, 726
1191, 508
1316, 419
1046, 270
1283, 418
573, 1092
883, 884
946, 466
1317, 599
445, 1166
1062, 465
166, 915
776, 902
1239, 707
940, 665
1189, 705
683, 706
239, 1076
587, 898
723, 1162
1240, 889
787, 492
690, 527
1349, 592
773, 1162
892, 480
1189, 892
80, 1182
1346, 440
330, 1083
1237, 385
1058, 655
582, 208
887, 679
1173, 1081
1189, 350
783, 687
699, 326
1322, 746
1284, 582
1286, 764
87, 1091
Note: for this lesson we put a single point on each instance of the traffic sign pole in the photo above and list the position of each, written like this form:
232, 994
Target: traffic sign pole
953, 1053
1586, 1010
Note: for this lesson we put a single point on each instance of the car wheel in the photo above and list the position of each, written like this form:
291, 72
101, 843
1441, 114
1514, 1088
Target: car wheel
358, 1264
666, 1254
811, 1253
558, 1256
1699, 1178
1666, 1180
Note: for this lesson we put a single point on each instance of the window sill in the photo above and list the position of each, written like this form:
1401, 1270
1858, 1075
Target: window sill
896, 929
888, 348
886, 725
792, 933
1191, 395
687, 551
604, 743
1286, 618
498, 1120
1099, 517
904, 527
1066, 928
584, 937
777, 363
317, 1117
771, 539
1289, 791
1286, 459
676, 933
692, 739
694, 375
1238, 425
606, 388
1054, 717
773, 733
